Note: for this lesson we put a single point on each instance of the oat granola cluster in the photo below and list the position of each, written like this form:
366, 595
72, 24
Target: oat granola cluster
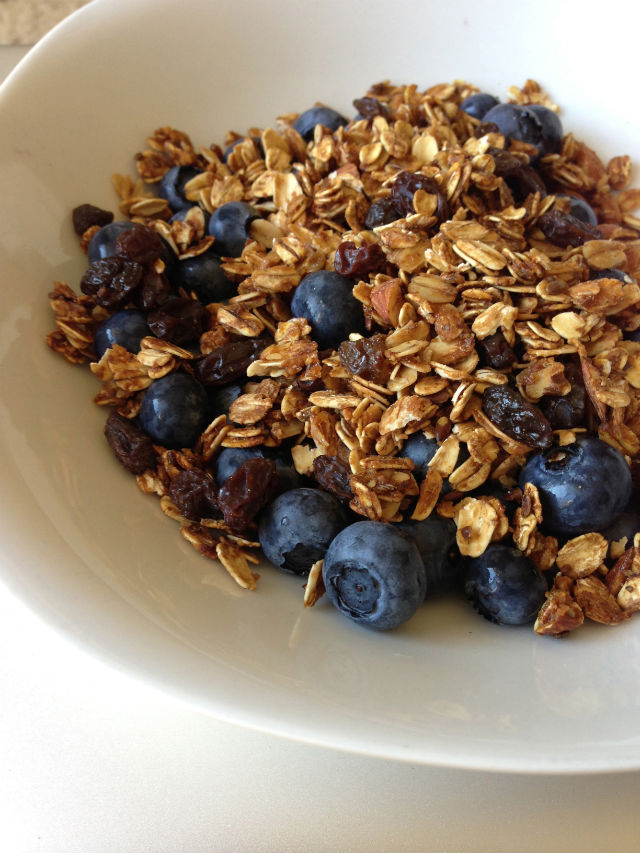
477, 263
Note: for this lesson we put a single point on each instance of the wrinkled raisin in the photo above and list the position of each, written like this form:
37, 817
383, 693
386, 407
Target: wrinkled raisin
484, 128
87, 215
521, 178
351, 260
229, 362
154, 290
112, 282
563, 229
568, 411
370, 107
247, 491
194, 494
332, 475
140, 244
494, 351
179, 320
132, 447
366, 358
518, 418
407, 184
382, 212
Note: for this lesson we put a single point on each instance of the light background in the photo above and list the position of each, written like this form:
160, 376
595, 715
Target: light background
25, 21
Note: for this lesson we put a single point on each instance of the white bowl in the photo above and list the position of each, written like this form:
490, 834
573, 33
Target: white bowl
96, 557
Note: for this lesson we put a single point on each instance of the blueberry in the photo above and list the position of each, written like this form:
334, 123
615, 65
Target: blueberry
232, 145
633, 336
229, 224
478, 105
306, 122
229, 459
221, 398
181, 215
204, 275
326, 300
551, 128
288, 476
583, 486
504, 586
296, 528
495, 489
581, 209
172, 184
103, 243
126, 328
173, 410
373, 573
626, 524
524, 125
420, 450
436, 541
612, 272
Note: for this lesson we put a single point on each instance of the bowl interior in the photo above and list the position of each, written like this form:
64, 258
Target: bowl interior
97, 558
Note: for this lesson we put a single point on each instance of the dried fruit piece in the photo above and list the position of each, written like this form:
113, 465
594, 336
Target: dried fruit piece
87, 216
563, 229
112, 282
132, 447
366, 358
229, 362
332, 474
247, 491
407, 184
193, 492
518, 418
179, 320
357, 261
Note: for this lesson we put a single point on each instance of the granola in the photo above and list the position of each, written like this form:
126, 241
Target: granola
473, 265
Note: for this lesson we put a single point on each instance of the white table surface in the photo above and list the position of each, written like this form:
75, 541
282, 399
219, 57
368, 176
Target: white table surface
93, 761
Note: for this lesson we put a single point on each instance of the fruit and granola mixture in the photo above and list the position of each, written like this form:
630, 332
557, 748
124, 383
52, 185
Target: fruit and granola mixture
399, 353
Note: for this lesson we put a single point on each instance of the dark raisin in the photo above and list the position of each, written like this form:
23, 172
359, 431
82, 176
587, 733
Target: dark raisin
332, 475
179, 320
247, 491
229, 362
521, 178
132, 447
370, 107
563, 229
154, 290
517, 417
194, 494
112, 282
494, 351
351, 260
140, 244
484, 128
87, 215
568, 411
407, 184
382, 212
366, 358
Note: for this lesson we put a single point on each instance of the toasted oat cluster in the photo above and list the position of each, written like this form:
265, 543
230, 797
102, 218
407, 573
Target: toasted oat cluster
487, 306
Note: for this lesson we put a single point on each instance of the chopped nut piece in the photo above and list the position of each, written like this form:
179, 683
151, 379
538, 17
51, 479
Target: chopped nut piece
560, 612
597, 602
